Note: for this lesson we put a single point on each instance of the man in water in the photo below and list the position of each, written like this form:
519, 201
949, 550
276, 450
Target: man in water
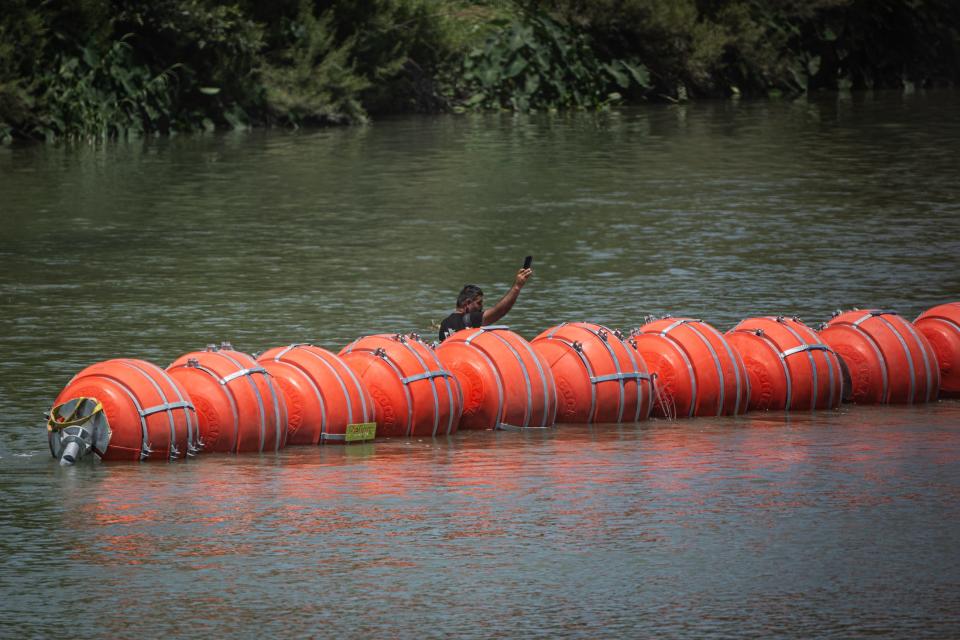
470, 312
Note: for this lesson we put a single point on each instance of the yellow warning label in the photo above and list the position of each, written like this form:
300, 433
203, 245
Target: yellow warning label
361, 431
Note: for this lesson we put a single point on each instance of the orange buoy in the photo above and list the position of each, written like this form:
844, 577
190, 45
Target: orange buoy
505, 382
413, 394
239, 408
321, 393
787, 364
941, 327
889, 360
697, 373
123, 409
599, 377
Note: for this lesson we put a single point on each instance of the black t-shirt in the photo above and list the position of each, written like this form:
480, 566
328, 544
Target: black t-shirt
457, 321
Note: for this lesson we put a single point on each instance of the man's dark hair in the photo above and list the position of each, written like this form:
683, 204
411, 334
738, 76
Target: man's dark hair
468, 293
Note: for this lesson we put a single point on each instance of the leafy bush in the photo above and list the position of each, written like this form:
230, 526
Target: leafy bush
312, 81
98, 96
91, 69
535, 62
718, 47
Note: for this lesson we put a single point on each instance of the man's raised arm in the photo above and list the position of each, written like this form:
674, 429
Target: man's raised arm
500, 309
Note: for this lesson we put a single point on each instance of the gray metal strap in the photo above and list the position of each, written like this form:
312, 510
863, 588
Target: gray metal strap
926, 362
313, 387
629, 375
281, 421
382, 355
686, 359
546, 388
603, 338
172, 452
256, 392
808, 348
872, 313
343, 387
290, 348
783, 363
947, 321
805, 347
482, 330
426, 375
230, 399
446, 382
678, 323
556, 328
194, 445
636, 366
406, 390
719, 366
586, 365
145, 449
528, 407
167, 406
736, 362
333, 436
497, 376
881, 359
909, 356
242, 372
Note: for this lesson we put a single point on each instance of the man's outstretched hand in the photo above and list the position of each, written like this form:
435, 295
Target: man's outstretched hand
522, 276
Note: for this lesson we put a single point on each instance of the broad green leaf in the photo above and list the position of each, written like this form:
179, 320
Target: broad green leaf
518, 66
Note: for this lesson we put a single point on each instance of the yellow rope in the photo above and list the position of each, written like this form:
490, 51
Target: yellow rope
58, 422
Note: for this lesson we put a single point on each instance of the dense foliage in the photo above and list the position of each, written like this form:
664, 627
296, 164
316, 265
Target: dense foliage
94, 69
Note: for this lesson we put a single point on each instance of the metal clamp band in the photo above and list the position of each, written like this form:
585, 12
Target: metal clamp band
441, 373
290, 348
241, 373
871, 314
805, 347
169, 406
680, 322
629, 375
482, 330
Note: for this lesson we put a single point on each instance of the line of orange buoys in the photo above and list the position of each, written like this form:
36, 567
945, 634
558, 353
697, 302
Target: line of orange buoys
223, 400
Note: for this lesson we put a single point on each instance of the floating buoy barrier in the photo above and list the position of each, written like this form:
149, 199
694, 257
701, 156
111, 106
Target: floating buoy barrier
322, 394
505, 382
239, 407
788, 365
940, 325
123, 409
889, 360
223, 400
697, 372
599, 377
413, 394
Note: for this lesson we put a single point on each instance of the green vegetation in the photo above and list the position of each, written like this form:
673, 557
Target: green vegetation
95, 69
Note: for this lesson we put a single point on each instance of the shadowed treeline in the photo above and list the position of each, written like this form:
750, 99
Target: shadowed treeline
93, 69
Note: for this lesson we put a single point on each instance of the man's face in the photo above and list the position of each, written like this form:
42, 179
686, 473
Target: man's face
476, 304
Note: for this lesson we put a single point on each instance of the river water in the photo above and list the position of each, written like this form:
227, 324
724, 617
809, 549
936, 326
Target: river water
831, 524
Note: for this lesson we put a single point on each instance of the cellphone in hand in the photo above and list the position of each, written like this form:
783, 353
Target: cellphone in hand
527, 262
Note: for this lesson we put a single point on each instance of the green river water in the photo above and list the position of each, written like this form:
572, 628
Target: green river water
829, 524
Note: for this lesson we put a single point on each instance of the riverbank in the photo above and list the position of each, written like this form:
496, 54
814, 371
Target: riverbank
116, 69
